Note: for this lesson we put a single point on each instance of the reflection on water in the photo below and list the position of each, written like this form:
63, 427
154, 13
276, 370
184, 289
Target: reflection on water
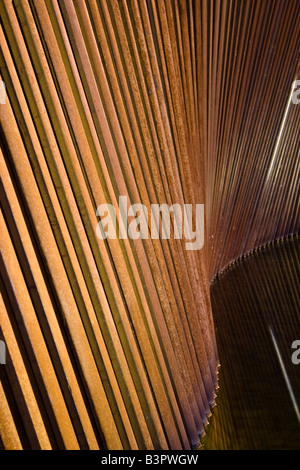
256, 307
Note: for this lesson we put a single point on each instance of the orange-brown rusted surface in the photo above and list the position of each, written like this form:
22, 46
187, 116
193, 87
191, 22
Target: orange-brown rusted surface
111, 344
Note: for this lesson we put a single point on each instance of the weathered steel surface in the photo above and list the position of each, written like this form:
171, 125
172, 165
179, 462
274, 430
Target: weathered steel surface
110, 344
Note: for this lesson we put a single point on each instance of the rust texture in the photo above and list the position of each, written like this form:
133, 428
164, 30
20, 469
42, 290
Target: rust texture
111, 343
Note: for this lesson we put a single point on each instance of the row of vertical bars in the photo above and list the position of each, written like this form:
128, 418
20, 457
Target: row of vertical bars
109, 342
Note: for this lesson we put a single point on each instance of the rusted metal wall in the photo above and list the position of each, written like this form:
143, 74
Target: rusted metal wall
110, 344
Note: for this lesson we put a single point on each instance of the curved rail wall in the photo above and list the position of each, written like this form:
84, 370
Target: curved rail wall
110, 343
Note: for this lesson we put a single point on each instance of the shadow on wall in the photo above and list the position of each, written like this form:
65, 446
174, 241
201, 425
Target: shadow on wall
256, 305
